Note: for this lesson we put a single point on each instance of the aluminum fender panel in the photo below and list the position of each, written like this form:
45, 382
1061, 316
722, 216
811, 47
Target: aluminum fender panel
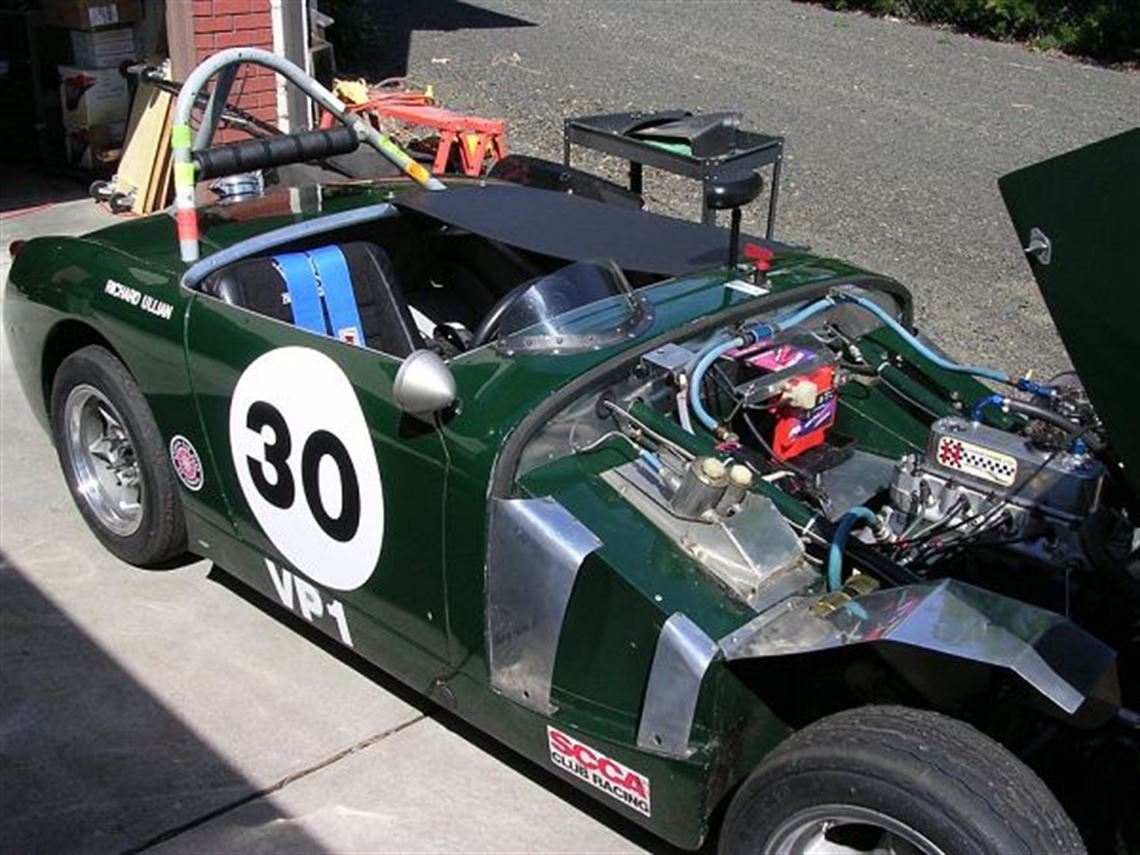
682, 656
535, 547
1054, 656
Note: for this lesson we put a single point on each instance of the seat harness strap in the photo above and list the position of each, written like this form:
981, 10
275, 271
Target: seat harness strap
339, 295
304, 298
321, 295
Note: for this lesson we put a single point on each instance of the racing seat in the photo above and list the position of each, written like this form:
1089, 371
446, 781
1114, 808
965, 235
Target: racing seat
283, 287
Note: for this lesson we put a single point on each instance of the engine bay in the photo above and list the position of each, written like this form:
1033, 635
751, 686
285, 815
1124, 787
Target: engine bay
824, 447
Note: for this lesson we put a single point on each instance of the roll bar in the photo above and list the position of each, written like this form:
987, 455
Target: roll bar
184, 146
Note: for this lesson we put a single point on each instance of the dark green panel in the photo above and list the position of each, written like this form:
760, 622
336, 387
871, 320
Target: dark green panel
405, 591
1087, 204
605, 649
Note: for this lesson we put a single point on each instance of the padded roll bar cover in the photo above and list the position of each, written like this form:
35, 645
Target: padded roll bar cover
250, 155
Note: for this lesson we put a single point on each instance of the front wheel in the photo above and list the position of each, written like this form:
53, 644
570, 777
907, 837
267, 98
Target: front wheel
895, 781
114, 459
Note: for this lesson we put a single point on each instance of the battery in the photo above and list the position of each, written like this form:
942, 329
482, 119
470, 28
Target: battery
804, 404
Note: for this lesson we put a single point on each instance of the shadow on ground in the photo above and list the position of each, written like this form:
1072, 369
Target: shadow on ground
23, 189
90, 761
373, 37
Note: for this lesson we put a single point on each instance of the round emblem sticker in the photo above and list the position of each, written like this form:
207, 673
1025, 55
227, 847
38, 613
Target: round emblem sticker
303, 455
187, 463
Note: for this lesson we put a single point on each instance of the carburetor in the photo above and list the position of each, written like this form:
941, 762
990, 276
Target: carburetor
972, 474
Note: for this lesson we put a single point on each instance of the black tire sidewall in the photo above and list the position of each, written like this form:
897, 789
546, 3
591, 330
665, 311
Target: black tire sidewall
162, 533
958, 788
769, 804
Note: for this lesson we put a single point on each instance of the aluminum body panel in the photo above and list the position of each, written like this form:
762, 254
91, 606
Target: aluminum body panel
947, 617
682, 656
535, 547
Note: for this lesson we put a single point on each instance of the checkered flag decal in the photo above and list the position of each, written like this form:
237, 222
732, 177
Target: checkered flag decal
970, 459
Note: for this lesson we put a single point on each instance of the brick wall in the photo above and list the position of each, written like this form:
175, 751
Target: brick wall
222, 24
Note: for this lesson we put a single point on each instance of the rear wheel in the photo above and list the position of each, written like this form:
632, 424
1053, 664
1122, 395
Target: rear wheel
114, 459
895, 781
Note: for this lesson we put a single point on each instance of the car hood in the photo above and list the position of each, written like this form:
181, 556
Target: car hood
1078, 217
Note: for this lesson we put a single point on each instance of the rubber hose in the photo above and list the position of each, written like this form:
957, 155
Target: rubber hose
909, 337
1034, 411
839, 540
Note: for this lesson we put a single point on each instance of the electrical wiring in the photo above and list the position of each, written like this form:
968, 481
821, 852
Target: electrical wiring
980, 524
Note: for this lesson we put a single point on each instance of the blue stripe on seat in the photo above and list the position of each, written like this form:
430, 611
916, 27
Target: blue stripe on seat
304, 300
339, 296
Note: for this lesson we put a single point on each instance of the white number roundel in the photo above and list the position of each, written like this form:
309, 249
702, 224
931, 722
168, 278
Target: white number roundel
304, 459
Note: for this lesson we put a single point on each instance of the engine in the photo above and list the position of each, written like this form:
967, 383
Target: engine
976, 483
819, 458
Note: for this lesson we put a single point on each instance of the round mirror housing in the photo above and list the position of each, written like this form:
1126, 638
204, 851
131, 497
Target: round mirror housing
732, 191
424, 384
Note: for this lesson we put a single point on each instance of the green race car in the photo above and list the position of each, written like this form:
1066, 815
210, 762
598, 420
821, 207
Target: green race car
727, 545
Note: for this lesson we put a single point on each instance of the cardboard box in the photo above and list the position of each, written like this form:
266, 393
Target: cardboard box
91, 14
94, 147
104, 48
92, 96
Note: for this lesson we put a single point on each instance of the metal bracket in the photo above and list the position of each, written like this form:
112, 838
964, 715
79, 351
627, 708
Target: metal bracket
1040, 247
682, 656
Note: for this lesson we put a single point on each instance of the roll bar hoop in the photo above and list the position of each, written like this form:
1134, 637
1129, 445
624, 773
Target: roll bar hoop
183, 145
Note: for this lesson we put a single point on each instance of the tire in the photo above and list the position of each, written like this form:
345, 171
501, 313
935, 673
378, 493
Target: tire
927, 780
103, 463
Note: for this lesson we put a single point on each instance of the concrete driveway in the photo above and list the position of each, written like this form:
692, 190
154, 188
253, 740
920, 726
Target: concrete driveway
163, 710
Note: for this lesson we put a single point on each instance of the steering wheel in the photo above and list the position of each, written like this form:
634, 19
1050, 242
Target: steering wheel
489, 326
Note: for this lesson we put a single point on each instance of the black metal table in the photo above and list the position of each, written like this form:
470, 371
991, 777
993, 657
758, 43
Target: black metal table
745, 150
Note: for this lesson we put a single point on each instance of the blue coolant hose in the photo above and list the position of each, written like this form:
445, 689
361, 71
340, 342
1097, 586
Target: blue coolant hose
760, 332
706, 358
911, 339
839, 541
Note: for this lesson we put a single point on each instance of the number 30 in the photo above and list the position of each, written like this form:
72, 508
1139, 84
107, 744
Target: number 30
280, 489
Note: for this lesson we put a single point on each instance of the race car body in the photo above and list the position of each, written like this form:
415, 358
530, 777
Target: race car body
637, 513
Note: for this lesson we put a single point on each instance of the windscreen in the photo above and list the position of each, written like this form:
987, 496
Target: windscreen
587, 304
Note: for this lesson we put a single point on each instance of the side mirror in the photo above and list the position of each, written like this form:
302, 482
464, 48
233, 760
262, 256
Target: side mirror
724, 193
424, 384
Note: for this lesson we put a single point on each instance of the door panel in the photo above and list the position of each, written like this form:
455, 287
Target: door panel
326, 478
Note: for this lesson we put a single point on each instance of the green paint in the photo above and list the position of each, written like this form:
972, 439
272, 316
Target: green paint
1084, 202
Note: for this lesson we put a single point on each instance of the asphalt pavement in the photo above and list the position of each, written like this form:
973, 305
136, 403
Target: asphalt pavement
164, 710
896, 133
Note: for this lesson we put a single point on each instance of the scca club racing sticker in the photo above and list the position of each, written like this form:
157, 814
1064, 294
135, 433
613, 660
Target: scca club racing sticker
596, 769
187, 464
304, 458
